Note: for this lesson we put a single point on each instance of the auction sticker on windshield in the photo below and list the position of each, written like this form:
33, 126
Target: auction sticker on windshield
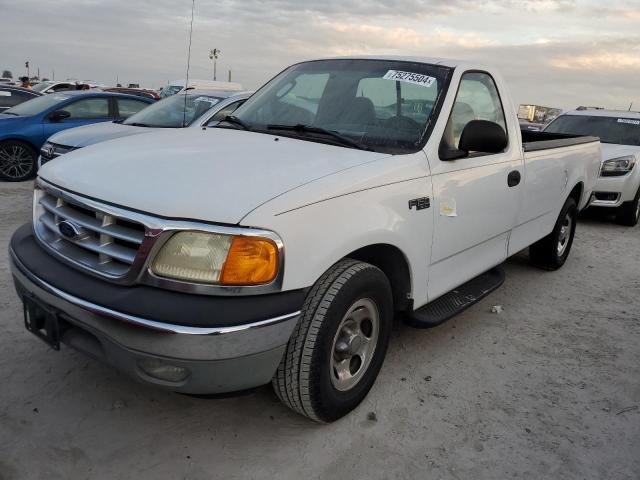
628, 120
415, 78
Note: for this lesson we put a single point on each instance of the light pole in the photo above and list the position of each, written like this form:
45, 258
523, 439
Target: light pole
213, 56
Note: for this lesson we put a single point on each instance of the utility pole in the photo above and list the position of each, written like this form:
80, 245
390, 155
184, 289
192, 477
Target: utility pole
229, 76
213, 56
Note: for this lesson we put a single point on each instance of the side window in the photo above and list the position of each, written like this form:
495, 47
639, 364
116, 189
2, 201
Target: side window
63, 87
228, 110
89, 108
477, 99
128, 106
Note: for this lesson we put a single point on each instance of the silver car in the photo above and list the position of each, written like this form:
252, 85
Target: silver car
198, 108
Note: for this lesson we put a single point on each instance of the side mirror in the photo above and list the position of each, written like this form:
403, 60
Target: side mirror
483, 136
478, 136
59, 115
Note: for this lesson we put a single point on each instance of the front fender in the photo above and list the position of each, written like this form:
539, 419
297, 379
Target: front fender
318, 235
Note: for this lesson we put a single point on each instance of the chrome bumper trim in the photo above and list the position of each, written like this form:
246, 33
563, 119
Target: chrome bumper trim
142, 322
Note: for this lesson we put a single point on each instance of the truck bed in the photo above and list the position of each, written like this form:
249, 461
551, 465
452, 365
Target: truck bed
535, 141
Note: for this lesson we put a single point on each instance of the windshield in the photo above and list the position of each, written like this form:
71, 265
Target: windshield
618, 130
41, 86
170, 90
379, 105
171, 112
37, 105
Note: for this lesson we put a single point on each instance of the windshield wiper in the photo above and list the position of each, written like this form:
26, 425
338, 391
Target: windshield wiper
342, 139
232, 119
10, 113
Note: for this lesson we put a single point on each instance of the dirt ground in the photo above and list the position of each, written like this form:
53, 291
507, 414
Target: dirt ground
548, 389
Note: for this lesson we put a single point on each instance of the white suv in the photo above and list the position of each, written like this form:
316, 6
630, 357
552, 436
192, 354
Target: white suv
619, 183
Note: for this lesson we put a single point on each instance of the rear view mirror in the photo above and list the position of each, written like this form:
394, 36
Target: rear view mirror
483, 136
59, 115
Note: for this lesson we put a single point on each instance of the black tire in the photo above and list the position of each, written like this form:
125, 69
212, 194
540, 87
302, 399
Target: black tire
303, 380
547, 252
629, 212
18, 161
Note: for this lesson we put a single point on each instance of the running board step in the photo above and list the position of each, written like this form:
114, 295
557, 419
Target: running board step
456, 301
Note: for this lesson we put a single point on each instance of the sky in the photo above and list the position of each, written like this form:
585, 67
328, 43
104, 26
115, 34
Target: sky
558, 53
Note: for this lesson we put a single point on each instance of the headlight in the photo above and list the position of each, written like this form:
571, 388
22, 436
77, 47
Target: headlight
217, 259
616, 167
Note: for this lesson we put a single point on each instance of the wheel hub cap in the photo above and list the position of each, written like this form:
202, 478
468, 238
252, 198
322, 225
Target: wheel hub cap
354, 344
565, 234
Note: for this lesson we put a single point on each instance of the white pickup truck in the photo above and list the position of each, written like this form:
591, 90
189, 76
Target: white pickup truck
279, 245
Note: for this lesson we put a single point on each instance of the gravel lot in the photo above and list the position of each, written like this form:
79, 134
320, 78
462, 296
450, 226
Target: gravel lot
548, 389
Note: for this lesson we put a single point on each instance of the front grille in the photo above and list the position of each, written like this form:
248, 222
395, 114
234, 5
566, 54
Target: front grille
49, 151
86, 236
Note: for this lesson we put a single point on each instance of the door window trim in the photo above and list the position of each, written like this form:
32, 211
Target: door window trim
504, 115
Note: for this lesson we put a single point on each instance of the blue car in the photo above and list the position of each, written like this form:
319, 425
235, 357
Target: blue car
25, 127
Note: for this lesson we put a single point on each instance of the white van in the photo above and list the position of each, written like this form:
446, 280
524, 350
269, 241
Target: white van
177, 86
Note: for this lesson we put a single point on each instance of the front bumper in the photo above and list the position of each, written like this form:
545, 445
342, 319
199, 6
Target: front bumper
612, 192
219, 358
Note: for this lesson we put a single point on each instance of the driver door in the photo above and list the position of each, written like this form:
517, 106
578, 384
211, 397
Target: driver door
475, 199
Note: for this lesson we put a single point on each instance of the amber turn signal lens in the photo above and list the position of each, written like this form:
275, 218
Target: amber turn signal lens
250, 261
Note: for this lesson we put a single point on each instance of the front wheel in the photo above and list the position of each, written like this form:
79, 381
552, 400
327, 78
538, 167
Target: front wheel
336, 351
552, 251
18, 161
629, 212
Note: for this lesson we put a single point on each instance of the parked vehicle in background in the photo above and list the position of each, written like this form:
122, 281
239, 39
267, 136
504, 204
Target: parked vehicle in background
6, 81
52, 86
618, 186
139, 92
202, 108
537, 113
11, 96
25, 127
177, 86
278, 245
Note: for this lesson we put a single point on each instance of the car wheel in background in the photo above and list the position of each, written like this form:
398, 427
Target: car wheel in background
552, 251
629, 212
337, 348
18, 161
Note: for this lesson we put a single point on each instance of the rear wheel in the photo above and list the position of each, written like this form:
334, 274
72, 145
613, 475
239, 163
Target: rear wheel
553, 250
629, 212
17, 161
336, 351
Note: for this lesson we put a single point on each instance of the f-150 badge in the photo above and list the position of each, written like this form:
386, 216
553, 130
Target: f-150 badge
420, 203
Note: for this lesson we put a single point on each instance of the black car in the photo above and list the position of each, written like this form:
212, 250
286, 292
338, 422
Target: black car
10, 96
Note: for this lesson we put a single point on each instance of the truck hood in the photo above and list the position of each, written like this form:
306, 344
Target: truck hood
215, 175
98, 132
611, 150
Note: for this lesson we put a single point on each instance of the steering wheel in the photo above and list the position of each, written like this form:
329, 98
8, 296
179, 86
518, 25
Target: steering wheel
404, 123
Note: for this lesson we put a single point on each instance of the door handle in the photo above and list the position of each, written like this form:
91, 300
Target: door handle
514, 178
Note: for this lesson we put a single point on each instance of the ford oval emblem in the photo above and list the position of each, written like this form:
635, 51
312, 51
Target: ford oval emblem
69, 230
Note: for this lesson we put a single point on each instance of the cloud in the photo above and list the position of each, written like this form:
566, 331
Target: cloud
555, 52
